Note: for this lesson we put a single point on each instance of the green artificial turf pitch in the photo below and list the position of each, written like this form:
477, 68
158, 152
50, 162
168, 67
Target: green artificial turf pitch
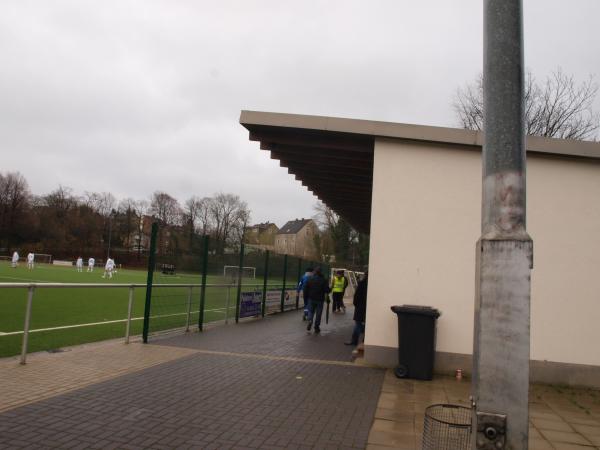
62, 307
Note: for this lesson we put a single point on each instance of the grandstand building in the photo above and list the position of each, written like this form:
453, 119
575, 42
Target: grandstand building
417, 191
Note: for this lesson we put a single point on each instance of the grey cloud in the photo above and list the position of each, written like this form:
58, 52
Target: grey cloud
133, 96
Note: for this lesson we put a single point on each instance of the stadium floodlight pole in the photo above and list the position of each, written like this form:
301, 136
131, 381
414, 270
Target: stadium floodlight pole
151, 263
110, 219
504, 250
265, 281
205, 241
239, 284
285, 259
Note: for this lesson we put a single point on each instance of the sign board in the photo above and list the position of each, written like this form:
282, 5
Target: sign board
250, 304
273, 300
62, 263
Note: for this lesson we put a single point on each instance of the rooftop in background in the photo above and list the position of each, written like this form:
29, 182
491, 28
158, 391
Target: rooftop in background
333, 157
293, 226
262, 226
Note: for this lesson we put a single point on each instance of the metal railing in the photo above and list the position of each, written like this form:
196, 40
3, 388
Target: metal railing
31, 288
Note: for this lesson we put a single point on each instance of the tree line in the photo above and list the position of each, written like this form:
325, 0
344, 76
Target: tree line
338, 238
66, 225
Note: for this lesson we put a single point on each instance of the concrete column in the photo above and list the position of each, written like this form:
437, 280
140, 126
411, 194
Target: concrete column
504, 250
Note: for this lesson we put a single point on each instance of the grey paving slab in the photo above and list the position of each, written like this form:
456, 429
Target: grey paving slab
279, 335
217, 400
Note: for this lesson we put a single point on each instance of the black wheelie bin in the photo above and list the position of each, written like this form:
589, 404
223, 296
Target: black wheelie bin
416, 341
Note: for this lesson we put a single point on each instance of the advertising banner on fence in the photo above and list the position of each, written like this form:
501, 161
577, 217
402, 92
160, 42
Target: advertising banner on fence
273, 300
250, 304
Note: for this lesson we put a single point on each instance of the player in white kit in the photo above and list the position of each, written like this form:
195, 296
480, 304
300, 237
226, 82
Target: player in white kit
30, 259
91, 263
15, 260
108, 268
79, 264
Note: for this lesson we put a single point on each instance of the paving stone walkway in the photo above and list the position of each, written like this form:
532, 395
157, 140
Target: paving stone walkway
560, 418
262, 384
259, 384
279, 335
50, 374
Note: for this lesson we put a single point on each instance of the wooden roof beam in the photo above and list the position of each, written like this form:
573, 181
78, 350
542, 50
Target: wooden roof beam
311, 138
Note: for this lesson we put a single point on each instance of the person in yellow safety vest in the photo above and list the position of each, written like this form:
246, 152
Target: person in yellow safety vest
338, 288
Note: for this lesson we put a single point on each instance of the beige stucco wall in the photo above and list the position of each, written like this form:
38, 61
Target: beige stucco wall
425, 223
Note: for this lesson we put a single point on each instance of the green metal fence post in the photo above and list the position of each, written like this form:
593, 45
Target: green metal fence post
239, 286
205, 241
151, 264
285, 258
298, 281
265, 280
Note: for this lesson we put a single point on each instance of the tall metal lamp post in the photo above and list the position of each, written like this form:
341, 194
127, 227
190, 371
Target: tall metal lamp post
110, 221
504, 250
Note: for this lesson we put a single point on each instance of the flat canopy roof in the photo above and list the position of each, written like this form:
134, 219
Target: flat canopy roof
333, 157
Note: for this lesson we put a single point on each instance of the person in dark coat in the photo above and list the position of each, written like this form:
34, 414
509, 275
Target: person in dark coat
315, 290
360, 310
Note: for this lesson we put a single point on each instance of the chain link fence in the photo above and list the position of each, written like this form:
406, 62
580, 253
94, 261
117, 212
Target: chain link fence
229, 283
186, 283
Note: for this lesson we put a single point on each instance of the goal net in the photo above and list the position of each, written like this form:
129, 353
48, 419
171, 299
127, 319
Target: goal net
43, 258
233, 271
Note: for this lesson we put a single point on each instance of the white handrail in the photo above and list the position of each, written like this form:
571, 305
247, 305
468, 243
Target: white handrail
114, 285
33, 286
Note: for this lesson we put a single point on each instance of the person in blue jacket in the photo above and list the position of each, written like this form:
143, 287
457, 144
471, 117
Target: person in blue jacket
307, 274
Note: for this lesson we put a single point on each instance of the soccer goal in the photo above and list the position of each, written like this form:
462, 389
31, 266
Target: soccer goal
43, 258
232, 272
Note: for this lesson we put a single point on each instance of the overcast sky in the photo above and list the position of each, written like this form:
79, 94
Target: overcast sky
135, 96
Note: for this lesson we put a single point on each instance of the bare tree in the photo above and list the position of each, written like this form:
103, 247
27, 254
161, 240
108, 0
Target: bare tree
339, 238
325, 217
559, 108
104, 203
228, 213
14, 202
141, 208
127, 221
61, 200
204, 216
239, 225
165, 208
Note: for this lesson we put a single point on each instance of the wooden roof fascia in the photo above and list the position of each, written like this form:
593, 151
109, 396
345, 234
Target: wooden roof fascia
303, 176
310, 152
315, 169
323, 160
311, 138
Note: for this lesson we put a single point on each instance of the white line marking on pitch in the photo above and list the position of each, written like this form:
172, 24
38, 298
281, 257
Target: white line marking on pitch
24, 279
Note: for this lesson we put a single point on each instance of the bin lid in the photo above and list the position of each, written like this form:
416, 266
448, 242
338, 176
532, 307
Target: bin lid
416, 309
